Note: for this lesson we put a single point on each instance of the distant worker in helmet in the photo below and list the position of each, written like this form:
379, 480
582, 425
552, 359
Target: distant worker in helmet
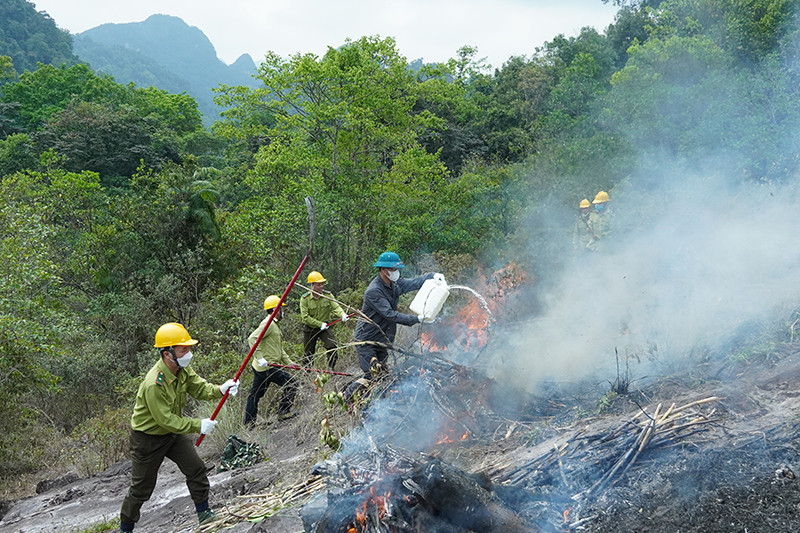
270, 350
317, 310
159, 429
582, 233
600, 221
380, 306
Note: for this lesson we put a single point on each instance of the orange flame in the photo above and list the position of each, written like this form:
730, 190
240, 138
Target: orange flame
361, 514
444, 440
448, 438
566, 513
375, 503
468, 328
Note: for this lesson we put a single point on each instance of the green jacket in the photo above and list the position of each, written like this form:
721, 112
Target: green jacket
313, 312
582, 234
601, 227
270, 347
162, 395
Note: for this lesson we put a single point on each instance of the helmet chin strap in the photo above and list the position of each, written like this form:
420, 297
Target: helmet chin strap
171, 350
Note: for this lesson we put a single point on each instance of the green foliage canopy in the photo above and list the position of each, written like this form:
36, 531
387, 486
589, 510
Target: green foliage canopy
30, 37
97, 124
345, 133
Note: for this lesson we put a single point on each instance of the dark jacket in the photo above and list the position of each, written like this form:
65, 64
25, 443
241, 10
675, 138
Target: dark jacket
380, 306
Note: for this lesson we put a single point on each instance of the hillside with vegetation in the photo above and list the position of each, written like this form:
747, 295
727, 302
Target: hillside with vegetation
29, 37
126, 65
120, 211
162, 51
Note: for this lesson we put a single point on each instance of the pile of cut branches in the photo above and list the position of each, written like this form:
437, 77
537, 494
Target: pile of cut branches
257, 507
583, 466
614, 453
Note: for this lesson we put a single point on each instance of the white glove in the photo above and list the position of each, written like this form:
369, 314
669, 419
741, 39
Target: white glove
439, 277
262, 362
206, 425
345, 318
323, 326
420, 318
231, 386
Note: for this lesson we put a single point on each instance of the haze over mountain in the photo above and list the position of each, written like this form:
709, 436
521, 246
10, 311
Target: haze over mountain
165, 52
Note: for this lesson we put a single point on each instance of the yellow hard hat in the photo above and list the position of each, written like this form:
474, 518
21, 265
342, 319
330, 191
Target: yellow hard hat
585, 203
601, 197
271, 302
173, 334
316, 277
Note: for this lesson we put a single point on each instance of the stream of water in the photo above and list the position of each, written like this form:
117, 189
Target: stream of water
476, 293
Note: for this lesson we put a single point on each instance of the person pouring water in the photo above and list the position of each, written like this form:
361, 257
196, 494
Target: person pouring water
380, 307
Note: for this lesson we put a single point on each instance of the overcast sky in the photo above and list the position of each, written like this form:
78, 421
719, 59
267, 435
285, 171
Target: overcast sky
431, 29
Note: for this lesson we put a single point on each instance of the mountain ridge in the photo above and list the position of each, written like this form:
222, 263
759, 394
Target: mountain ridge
166, 52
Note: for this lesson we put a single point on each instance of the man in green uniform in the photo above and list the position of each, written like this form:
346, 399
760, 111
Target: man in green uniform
582, 234
600, 222
270, 350
159, 429
316, 312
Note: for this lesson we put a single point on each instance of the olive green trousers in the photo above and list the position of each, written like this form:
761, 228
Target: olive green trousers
147, 454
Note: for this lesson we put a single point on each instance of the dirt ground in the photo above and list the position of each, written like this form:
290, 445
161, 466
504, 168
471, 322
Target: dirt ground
736, 476
741, 477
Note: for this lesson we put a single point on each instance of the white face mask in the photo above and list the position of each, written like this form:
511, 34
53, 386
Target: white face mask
394, 275
184, 361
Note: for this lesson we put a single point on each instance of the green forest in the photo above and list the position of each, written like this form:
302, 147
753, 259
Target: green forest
120, 211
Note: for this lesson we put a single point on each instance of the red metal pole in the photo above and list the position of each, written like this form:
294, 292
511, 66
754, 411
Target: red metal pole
332, 322
255, 344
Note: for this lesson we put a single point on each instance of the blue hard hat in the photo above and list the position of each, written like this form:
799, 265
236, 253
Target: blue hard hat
389, 260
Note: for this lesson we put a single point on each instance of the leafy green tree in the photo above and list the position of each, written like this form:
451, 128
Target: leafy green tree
444, 92
42, 93
679, 85
341, 124
176, 113
167, 240
693, 101
30, 316
584, 65
16, 153
9, 117
95, 137
747, 29
629, 27
477, 211
7, 72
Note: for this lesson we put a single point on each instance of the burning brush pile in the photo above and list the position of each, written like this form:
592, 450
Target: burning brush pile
434, 453
420, 464
391, 476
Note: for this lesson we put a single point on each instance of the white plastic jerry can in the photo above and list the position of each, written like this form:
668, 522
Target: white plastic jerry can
430, 298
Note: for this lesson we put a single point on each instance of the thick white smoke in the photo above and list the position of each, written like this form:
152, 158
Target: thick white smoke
685, 265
